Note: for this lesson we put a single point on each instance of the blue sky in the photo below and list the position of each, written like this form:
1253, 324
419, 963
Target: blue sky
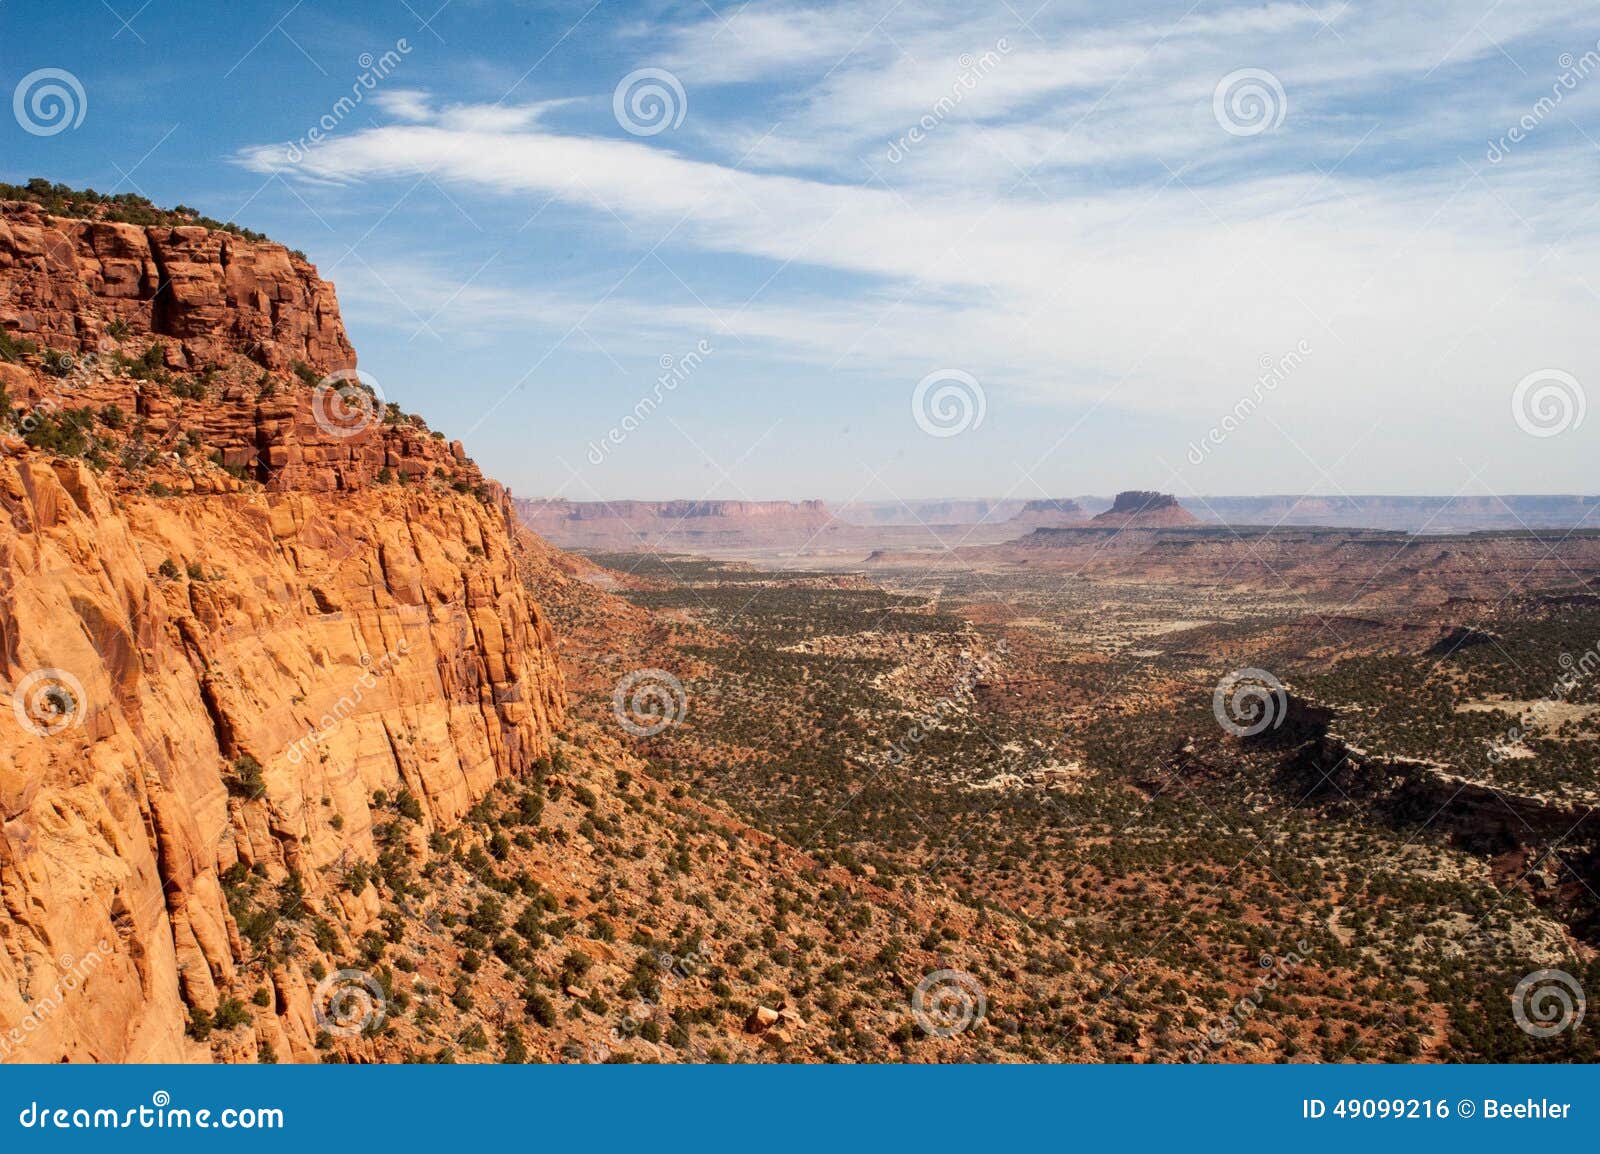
1096, 225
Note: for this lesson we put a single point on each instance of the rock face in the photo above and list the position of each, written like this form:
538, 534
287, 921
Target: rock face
1138, 507
222, 675
70, 282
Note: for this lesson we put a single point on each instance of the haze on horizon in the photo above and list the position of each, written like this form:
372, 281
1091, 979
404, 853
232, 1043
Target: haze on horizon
855, 252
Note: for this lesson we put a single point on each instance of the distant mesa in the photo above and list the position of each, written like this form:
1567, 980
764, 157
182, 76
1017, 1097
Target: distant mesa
1463, 513
674, 525
1050, 513
1143, 508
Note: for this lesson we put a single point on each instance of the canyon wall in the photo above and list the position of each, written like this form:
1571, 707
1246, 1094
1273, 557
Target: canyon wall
67, 282
226, 623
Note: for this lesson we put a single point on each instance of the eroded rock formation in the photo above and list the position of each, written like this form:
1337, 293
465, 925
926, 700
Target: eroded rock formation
223, 627
1144, 509
69, 282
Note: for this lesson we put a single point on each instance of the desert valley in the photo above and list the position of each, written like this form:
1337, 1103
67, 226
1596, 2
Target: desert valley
324, 747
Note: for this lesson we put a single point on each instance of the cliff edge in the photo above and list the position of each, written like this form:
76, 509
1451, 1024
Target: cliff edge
242, 605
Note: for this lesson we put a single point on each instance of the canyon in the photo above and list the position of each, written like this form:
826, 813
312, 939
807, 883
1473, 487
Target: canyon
320, 746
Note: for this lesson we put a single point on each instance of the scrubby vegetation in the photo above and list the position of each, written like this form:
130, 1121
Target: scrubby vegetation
1175, 858
123, 207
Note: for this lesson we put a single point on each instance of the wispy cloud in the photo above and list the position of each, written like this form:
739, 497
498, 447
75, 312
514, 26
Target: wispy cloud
1078, 226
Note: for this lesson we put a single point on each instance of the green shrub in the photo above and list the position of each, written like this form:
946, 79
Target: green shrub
516, 1050
246, 780
122, 207
15, 348
230, 1012
540, 1008
189, 388
66, 432
58, 363
407, 805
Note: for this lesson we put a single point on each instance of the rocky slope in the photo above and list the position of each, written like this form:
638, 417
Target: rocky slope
234, 609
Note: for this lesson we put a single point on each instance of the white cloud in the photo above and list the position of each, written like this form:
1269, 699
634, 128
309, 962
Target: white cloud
999, 246
1067, 299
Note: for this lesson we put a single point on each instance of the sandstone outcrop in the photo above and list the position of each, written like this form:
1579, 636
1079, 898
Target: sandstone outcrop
227, 630
1326, 764
70, 282
1144, 509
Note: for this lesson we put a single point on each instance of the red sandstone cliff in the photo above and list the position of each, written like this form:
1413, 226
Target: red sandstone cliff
223, 627
68, 282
